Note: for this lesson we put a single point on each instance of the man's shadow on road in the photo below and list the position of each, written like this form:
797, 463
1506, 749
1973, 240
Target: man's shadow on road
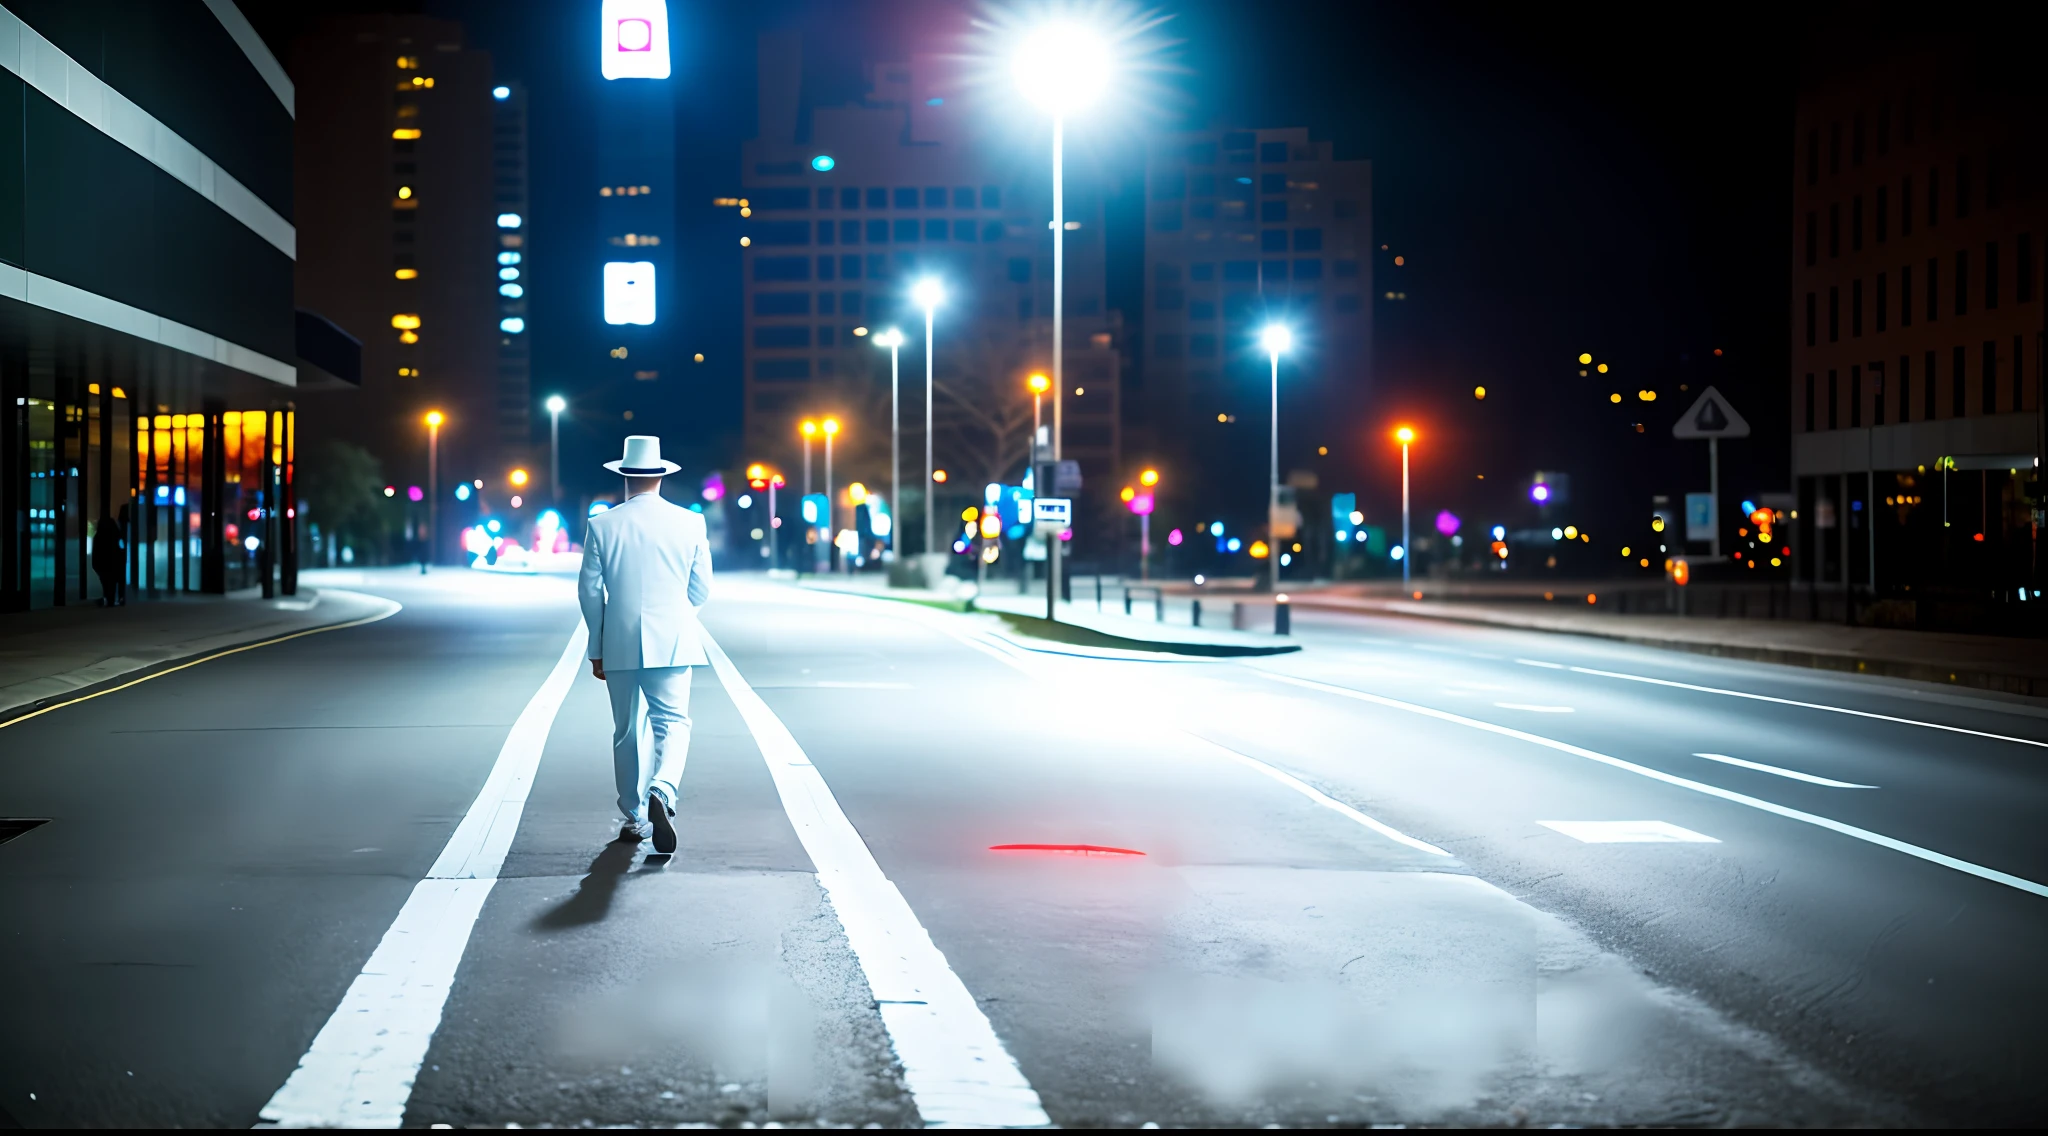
593, 900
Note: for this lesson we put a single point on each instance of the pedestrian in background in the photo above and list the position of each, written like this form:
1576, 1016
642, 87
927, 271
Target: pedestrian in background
110, 560
646, 571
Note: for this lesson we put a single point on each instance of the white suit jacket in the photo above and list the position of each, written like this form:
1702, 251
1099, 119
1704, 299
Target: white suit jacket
646, 571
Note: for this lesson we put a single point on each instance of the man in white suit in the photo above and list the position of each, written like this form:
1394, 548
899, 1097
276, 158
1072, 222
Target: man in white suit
646, 571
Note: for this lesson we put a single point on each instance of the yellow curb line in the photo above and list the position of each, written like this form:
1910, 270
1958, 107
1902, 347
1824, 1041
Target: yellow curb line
396, 607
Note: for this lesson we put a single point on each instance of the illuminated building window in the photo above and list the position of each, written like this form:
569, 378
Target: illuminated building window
509, 273
512, 326
512, 290
508, 258
405, 321
405, 134
408, 63
406, 274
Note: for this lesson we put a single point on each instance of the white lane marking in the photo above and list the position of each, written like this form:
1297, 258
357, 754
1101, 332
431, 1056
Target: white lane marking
1796, 702
1849, 830
954, 1064
1627, 832
1760, 767
1541, 663
863, 685
360, 1069
1030, 666
1535, 709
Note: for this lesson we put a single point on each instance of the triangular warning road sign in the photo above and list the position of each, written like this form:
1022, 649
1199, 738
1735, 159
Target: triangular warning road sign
1710, 417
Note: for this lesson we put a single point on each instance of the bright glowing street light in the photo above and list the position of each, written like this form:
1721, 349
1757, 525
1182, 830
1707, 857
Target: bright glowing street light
556, 404
1061, 67
1276, 338
928, 293
830, 428
1405, 435
433, 419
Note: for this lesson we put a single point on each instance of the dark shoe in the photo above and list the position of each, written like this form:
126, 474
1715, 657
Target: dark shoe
664, 832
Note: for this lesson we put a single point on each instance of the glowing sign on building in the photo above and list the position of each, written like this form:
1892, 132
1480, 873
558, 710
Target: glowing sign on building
629, 292
635, 36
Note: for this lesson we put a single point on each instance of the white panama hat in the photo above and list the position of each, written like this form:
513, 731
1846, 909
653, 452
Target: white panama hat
642, 458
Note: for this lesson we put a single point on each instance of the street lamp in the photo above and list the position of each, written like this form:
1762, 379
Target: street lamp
831, 428
1061, 67
893, 340
761, 477
809, 429
1275, 339
1405, 435
433, 420
556, 404
928, 294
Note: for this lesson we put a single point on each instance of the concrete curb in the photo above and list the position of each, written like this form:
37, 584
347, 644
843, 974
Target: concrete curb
36, 696
2004, 682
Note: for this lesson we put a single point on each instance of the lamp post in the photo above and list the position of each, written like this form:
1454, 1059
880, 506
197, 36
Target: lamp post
893, 340
433, 420
1276, 339
928, 294
1148, 495
809, 429
760, 478
1405, 435
556, 405
831, 428
1062, 67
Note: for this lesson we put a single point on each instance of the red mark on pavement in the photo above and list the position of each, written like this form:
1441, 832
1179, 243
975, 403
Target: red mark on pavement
1081, 849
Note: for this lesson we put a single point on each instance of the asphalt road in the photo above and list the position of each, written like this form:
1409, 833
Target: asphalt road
1414, 873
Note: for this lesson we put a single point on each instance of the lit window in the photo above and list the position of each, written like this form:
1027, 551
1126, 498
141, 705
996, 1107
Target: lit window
512, 326
408, 63
512, 290
405, 134
405, 321
509, 273
604, 191
418, 81
629, 292
408, 337
507, 220
406, 274
404, 192
508, 258
501, 93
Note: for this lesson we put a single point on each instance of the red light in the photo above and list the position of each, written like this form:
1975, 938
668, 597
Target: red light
1080, 849
1978, 537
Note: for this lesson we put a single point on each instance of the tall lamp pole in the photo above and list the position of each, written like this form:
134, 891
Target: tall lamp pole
556, 405
1276, 339
809, 429
433, 421
831, 427
893, 340
928, 294
1405, 435
1062, 67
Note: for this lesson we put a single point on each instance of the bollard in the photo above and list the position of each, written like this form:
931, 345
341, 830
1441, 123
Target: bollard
1283, 615
1127, 601
1195, 613
1159, 605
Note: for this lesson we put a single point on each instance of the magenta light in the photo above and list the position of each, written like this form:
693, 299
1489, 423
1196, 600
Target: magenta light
1540, 492
1174, 538
1447, 522
1142, 504
412, 493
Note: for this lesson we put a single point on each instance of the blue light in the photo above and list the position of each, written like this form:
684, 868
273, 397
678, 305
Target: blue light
823, 163
1398, 552
1244, 181
462, 492
935, 101
509, 273
1342, 537
1748, 507
492, 524
501, 93
512, 326
597, 507
508, 220
508, 258
512, 290
1234, 544
1500, 532
1216, 529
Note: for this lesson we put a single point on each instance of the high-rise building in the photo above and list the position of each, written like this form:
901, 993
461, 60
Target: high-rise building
1244, 228
846, 206
403, 238
150, 358
509, 198
1919, 220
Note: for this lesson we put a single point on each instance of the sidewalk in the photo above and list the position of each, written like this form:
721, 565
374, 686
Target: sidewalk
1107, 628
55, 651
2013, 666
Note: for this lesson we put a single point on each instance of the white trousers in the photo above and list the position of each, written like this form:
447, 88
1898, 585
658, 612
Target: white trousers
650, 734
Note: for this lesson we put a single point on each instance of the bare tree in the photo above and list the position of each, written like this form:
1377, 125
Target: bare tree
982, 418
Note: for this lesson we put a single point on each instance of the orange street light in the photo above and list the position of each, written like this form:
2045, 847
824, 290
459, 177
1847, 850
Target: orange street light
1149, 478
518, 477
1405, 435
1039, 384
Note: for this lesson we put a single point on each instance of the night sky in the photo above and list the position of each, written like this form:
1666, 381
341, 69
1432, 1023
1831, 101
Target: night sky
1556, 182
